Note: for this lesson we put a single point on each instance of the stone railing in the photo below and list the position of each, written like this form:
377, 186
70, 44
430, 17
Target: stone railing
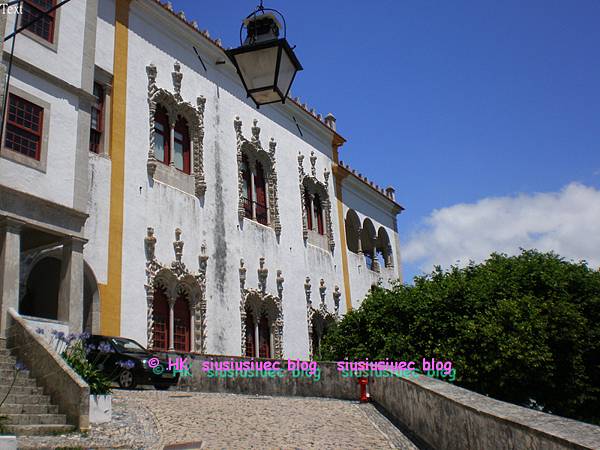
434, 413
59, 380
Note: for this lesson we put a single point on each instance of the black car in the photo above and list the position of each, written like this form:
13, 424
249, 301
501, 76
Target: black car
125, 361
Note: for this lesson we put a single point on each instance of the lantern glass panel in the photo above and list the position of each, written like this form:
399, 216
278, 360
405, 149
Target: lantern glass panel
266, 96
258, 67
287, 70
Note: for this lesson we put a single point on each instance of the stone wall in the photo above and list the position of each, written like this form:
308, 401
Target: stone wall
330, 384
65, 387
437, 414
447, 417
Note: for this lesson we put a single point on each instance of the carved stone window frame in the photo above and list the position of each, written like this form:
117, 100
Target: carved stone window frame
254, 151
176, 278
259, 301
311, 183
321, 311
176, 106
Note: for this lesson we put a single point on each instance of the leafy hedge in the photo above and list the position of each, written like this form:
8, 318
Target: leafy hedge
524, 329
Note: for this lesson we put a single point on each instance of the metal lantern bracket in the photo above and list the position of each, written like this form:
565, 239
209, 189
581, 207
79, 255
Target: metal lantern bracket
260, 8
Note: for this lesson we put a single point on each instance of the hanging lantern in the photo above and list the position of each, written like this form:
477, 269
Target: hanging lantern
265, 62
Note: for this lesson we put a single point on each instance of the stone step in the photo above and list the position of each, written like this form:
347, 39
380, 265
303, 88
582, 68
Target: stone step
8, 363
36, 419
30, 390
28, 408
21, 380
10, 372
36, 430
28, 399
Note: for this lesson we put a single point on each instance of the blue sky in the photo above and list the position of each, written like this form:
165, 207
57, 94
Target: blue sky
485, 115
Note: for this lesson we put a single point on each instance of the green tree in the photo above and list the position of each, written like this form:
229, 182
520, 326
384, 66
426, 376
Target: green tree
524, 329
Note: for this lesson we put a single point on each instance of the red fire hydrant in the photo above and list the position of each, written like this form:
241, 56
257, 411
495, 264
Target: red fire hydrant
364, 398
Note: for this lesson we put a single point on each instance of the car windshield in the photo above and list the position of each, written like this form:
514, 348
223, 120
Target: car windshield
127, 345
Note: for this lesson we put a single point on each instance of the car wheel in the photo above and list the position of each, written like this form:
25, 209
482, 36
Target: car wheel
126, 379
161, 387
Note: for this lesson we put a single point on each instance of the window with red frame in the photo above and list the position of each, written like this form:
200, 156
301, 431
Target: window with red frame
261, 194
308, 207
97, 122
250, 338
44, 27
181, 323
182, 146
319, 214
160, 317
246, 187
24, 127
161, 135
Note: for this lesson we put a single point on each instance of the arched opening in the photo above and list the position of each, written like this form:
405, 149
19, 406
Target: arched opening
320, 326
254, 189
181, 324
352, 227
181, 152
160, 319
368, 242
41, 289
162, 129
91, 302
384, 249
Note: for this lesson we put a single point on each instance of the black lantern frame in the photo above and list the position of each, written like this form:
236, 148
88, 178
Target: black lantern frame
280, 44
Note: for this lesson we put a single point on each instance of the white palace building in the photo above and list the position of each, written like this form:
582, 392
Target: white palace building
143, 195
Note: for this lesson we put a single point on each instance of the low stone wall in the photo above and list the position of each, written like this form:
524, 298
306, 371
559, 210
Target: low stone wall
330, 384
447, 417
437, 414
65, 387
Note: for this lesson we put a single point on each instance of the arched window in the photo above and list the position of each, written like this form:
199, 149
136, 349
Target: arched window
308, 207
319, 214
261, 194
182, 146
353, 232
161, 135
160, 317
181, 324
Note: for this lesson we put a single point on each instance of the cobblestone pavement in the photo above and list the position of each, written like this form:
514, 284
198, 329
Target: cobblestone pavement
151, 419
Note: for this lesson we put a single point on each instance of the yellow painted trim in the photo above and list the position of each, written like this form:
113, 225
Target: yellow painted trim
110, 307
338, 176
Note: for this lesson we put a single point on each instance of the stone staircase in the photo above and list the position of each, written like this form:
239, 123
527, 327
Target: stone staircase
29, 411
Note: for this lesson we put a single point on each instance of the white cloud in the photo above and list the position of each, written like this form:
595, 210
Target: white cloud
567, 222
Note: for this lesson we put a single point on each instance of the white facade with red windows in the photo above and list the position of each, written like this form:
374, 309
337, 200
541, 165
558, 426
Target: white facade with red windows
146, 197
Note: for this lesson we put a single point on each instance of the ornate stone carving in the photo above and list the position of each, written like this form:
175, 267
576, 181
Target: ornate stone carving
150, 244
255, 152
176, 106
336, 300
177, 77
318, 318
176, 278
307, 288
258, 302
242, 271
312, 185
279, 281
178, 245
263, 272
322, 290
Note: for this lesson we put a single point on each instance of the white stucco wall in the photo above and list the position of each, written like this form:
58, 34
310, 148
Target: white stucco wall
157, 38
